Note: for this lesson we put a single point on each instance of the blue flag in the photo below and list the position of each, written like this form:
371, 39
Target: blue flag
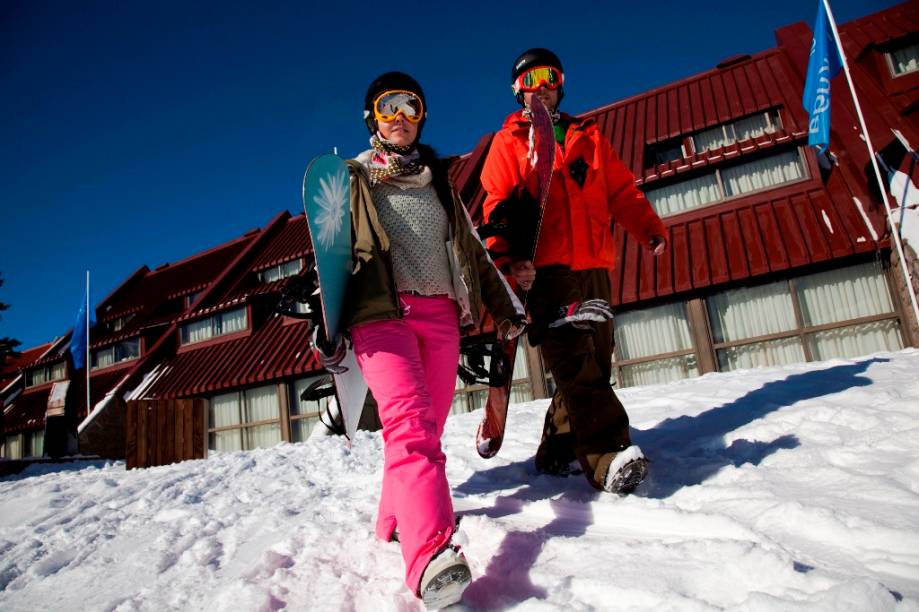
824, 64
79, 339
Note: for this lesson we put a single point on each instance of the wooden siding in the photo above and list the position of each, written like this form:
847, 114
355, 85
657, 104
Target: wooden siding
160, 432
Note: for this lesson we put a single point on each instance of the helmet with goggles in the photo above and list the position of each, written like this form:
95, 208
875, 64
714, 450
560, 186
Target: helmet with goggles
535, 68
392, 94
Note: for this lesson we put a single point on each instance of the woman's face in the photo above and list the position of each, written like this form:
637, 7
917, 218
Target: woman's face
399, 131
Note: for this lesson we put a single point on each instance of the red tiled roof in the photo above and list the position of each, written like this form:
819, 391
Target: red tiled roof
279, 349
14, 364
28, 410
879, 28
292, 241
147, 295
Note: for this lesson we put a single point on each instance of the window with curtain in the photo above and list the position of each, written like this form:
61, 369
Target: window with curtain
189, 299
685, 195
12, 446
262, 405
46, 374
304, 416
121, 322
276, 273
110, 355
220, 324
766, 173
224, 411
845, 294
851, 308
752, 312
642, 334
37, 444
905, 59
715, 137
238, 411
763, 174
735, 131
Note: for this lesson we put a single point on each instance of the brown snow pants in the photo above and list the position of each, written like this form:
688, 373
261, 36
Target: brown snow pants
585, 421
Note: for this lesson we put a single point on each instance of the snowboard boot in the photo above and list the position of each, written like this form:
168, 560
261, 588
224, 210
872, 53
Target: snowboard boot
445, 578
626, 471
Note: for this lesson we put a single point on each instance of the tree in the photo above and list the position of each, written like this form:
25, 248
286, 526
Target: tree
7, 345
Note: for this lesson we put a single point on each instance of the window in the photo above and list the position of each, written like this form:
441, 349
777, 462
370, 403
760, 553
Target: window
845, 312
765, 173
290, 268
854, 293
654, 345
244, 420
664, 152
754, 312
841, 313
473, 397
37, 443
735, 131
46, 374
762, 174
110, 355
12, 446
22, 445
189, 299
304, 416
220, 324
121, 322
904, 60
715, 137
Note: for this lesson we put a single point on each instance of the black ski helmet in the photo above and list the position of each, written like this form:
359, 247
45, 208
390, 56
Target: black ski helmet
388, 81
531, 58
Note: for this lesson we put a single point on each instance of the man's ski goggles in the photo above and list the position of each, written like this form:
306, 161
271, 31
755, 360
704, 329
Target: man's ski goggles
541, 76
390, 103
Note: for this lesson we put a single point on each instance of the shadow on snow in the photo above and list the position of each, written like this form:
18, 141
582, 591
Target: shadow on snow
685, 451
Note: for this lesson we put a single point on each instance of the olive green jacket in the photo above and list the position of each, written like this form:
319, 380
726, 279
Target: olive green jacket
371, 294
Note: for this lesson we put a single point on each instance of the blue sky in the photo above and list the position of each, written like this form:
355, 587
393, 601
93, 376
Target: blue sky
140, 133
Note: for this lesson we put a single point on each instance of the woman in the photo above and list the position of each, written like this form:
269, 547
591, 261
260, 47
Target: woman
420, 274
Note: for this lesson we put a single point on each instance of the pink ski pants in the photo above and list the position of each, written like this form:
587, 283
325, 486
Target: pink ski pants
410, 366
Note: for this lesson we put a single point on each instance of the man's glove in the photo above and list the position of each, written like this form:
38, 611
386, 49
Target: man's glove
329, 355
582, 314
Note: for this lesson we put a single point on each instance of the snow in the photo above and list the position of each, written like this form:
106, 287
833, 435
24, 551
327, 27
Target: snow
792, 488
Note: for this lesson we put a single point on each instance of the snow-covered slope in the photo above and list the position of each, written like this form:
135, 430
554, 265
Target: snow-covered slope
790, 488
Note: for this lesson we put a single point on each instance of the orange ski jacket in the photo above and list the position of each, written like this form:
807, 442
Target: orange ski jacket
576, 228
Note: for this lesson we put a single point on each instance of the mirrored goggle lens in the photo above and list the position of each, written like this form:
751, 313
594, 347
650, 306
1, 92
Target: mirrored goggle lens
391, 104
532, 80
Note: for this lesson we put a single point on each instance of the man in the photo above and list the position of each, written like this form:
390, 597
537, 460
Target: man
590, 190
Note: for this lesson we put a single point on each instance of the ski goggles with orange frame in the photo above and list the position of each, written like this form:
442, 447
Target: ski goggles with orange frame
541, 76
389, 104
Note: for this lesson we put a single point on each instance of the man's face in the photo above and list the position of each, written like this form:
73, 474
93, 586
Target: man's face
549, 97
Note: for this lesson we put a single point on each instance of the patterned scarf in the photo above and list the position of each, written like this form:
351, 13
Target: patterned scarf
390, 160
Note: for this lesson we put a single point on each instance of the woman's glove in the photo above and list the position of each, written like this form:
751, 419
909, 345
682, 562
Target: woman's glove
329, 355
582, 314
511, 328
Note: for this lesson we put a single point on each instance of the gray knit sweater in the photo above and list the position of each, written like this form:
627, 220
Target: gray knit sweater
418, 231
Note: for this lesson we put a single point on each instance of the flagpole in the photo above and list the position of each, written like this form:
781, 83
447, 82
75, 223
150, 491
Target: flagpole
874, 163
88, 407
